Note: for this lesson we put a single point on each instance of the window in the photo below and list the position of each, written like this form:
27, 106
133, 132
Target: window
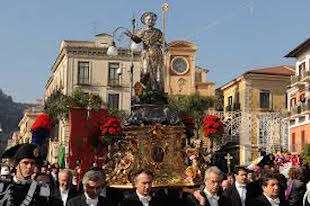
113, 75
292, 122
302, 137
301, 119
302, 98
293, 102
264, 99
293, 138
83, 73
293, 146
301, 69
230, 100
113, 100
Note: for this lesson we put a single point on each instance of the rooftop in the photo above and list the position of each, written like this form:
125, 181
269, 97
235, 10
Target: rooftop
299, 49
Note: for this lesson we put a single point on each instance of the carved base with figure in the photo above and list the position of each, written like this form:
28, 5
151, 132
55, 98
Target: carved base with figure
156, 147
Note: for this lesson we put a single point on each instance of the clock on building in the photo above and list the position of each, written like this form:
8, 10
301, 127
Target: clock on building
179, 65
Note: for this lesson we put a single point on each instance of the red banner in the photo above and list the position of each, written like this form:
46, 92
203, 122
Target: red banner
83, 126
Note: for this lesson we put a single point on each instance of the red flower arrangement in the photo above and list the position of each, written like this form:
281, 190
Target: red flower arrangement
213, 127
110, 130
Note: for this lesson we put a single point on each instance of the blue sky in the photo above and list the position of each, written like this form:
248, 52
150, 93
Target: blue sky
232, 35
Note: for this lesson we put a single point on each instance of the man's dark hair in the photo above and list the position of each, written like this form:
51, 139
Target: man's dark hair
269, 176
239, 168
230, 174
139, 171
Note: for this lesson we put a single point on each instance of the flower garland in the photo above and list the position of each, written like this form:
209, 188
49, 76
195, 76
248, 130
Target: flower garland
213, 127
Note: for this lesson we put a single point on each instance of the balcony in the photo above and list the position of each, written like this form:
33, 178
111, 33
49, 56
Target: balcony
234, 107
298, 80
114, 83
303, 107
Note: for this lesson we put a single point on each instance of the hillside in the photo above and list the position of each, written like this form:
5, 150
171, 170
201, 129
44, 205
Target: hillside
10, 115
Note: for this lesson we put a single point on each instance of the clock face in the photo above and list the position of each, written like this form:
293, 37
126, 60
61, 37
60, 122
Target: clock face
179, 65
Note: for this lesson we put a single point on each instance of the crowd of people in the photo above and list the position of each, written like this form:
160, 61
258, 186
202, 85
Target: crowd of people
29, 182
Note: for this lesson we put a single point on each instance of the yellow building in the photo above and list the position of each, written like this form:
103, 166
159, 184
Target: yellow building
256, 91
24, 125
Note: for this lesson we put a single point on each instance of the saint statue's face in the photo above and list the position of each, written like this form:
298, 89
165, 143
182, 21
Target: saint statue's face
148, 21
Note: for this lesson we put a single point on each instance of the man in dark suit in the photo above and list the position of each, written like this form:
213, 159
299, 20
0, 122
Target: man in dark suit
54, 173
63, 190
142, 181
271, 190
209, 195
92, 186
239, 194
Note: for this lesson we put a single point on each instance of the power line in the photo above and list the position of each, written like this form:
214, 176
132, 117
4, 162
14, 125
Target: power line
248, 5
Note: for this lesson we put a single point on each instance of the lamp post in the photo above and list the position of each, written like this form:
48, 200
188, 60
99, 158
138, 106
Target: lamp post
112, 51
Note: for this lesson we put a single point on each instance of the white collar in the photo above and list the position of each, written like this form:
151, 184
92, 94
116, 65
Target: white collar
208, 194
277, 200
64, 191
238, 185
143, 197
90, 201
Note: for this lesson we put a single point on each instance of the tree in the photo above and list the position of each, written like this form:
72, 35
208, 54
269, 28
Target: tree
219, 100
194, 106
306, 154
58, 105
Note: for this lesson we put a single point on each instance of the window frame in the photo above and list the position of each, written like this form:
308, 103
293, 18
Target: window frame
112, 105
261, 104
82, 80
115, 81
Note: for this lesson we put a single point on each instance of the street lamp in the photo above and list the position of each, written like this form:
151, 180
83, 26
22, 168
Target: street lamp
112, 51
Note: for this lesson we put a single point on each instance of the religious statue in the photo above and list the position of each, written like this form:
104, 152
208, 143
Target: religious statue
152, 56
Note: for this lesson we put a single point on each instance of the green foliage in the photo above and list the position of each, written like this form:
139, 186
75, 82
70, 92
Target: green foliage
58, 105
194, 106
10, 115
306, 153
120, 114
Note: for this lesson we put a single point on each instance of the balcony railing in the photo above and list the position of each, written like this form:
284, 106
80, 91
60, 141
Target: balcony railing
300, 77
114, 83
303, 107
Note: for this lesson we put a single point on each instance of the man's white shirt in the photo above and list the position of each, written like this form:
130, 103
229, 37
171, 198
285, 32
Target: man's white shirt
212, 199
64, 195
90, 201
242, 192
144, 199
273, 202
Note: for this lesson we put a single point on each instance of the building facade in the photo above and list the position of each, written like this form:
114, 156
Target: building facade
298, 94
255, 94
25, 124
